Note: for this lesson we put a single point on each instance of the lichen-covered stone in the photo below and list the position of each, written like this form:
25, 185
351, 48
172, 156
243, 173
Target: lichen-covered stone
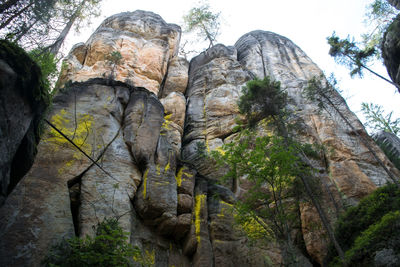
175, 109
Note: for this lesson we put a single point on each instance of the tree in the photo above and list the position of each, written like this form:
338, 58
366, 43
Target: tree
272, 110
273, 168
347, 53
20, 16
378, 120
356, 56
260, 99
74, 13
378, 16
109, 247
44, 24
204, 21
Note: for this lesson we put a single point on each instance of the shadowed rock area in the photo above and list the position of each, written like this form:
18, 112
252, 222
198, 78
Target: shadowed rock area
391, 50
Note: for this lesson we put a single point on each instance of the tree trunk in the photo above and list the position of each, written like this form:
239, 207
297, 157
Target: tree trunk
376, 74
55, 47
283, 131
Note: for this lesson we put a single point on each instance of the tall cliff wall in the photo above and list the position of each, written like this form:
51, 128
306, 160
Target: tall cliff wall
141, 118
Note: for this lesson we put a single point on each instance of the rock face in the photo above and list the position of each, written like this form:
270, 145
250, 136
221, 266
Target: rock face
390, 144
391, 50
148, 122
23, 100
143, 40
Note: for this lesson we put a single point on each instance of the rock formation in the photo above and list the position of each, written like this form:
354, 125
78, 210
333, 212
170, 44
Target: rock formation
23, 101
391, 50
142, 117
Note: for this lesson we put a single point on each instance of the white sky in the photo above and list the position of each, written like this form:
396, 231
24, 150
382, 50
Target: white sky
307, 23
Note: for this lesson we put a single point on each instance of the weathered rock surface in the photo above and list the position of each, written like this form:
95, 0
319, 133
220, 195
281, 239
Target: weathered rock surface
215, 81
20, 114
145, 42
390, 140
391, 50
151, 142
351, 168
177, 77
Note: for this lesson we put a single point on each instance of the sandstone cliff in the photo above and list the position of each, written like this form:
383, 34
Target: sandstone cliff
141, 118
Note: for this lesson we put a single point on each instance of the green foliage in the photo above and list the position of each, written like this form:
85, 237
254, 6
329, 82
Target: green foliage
201, 149
374, 239
48, 65
378, 16
378, 120
204, 21
323, 92
273, 167
364, 228
261, 99
108, 248
347, 52
114, 58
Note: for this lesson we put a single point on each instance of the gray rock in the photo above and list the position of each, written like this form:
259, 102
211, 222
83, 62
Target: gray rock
386, 258
391, 50
390, 142
215, 82
20, 116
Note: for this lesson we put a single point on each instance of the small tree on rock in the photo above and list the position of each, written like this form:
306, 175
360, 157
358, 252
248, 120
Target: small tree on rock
204, 21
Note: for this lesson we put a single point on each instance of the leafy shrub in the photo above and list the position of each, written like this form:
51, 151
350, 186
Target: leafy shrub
107, 248
261, 98
363, 228
48, 65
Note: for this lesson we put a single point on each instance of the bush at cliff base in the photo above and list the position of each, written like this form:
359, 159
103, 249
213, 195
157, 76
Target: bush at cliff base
369, 228
108, 248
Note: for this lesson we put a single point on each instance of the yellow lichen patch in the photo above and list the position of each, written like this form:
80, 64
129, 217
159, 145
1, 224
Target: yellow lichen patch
220, 150
146, 258
178, 177
199, 202
145, 183
226, 208
253, 228
167, 167
167, 122
207, 146
150, 257
158, 169
77, 130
